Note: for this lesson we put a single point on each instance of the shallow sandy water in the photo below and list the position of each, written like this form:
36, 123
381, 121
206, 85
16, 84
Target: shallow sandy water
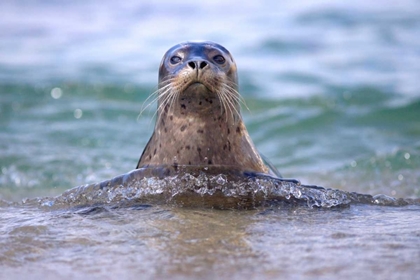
168, 242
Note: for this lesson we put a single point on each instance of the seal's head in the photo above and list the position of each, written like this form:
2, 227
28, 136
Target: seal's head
203, 75
199, 121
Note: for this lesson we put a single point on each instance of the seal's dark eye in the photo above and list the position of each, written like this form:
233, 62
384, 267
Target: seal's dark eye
175, 59
219, 59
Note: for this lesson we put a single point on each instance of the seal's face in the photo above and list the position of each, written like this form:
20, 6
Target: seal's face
196, 60
201, 72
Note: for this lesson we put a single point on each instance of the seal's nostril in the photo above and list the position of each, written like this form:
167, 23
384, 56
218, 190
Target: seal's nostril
192, 64
197, 64
203, 64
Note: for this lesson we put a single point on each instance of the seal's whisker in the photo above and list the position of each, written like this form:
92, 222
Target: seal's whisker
238, 97
230, 105
173, 99
143, 107
165, 93
164, 100
156, 93
149, 103
222, 104
169, 98
231, 101
222, 98
235, 100
221, 95
164, 96
166, 89
236, 94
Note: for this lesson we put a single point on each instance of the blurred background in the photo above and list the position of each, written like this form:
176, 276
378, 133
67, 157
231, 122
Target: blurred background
333, 88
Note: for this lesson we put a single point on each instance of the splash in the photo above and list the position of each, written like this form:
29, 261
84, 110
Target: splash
218, 187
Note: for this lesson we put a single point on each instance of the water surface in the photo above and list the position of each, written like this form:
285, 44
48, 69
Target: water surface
167, 242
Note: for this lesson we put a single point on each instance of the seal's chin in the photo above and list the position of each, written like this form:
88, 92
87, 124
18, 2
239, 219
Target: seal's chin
197, 89
197, 86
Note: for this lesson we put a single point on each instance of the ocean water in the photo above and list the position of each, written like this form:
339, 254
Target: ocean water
334, 101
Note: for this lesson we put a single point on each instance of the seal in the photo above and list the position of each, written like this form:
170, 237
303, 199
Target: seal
198, 116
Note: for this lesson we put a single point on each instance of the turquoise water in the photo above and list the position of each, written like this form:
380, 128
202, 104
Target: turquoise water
333, 97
